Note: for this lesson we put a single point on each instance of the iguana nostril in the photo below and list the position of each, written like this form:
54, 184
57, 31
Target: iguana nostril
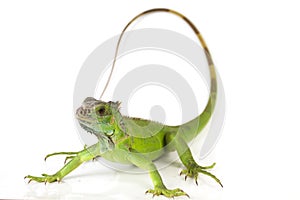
81, 112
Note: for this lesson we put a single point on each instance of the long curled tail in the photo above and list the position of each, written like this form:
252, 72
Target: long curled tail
200, 121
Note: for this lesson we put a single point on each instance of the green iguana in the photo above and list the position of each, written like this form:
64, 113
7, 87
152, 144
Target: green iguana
139, 141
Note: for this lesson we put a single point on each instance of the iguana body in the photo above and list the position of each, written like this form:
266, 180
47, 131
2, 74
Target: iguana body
139, 141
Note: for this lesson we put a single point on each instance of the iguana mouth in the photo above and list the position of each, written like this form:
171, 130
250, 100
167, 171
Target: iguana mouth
88, 129
82, 116
83, 119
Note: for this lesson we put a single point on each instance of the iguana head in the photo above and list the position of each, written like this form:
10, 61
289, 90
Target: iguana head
100, 118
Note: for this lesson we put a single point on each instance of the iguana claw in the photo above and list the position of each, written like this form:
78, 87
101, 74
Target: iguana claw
45, 178
167, 193
194, 170
67, 158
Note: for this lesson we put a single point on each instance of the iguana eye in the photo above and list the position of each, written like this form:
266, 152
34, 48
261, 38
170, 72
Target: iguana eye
101, 111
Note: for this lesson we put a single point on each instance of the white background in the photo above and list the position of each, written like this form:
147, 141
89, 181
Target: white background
255, 45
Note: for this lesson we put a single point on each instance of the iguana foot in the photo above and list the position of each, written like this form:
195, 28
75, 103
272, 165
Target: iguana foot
77, 158
166, 192
194, 169
45, 178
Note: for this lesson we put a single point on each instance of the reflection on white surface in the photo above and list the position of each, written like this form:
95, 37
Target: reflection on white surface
94, 181
50, 191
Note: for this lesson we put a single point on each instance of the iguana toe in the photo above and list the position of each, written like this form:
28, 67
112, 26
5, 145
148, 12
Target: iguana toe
45, 178
167, 193
194, 170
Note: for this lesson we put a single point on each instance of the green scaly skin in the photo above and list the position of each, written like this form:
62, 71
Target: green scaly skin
139, 141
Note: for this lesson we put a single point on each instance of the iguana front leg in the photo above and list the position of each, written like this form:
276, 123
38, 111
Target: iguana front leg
79, 157
192, 168
159, 187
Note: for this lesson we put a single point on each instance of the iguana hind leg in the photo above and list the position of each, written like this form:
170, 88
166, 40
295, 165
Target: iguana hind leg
159, 187
192, 168
77, 159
